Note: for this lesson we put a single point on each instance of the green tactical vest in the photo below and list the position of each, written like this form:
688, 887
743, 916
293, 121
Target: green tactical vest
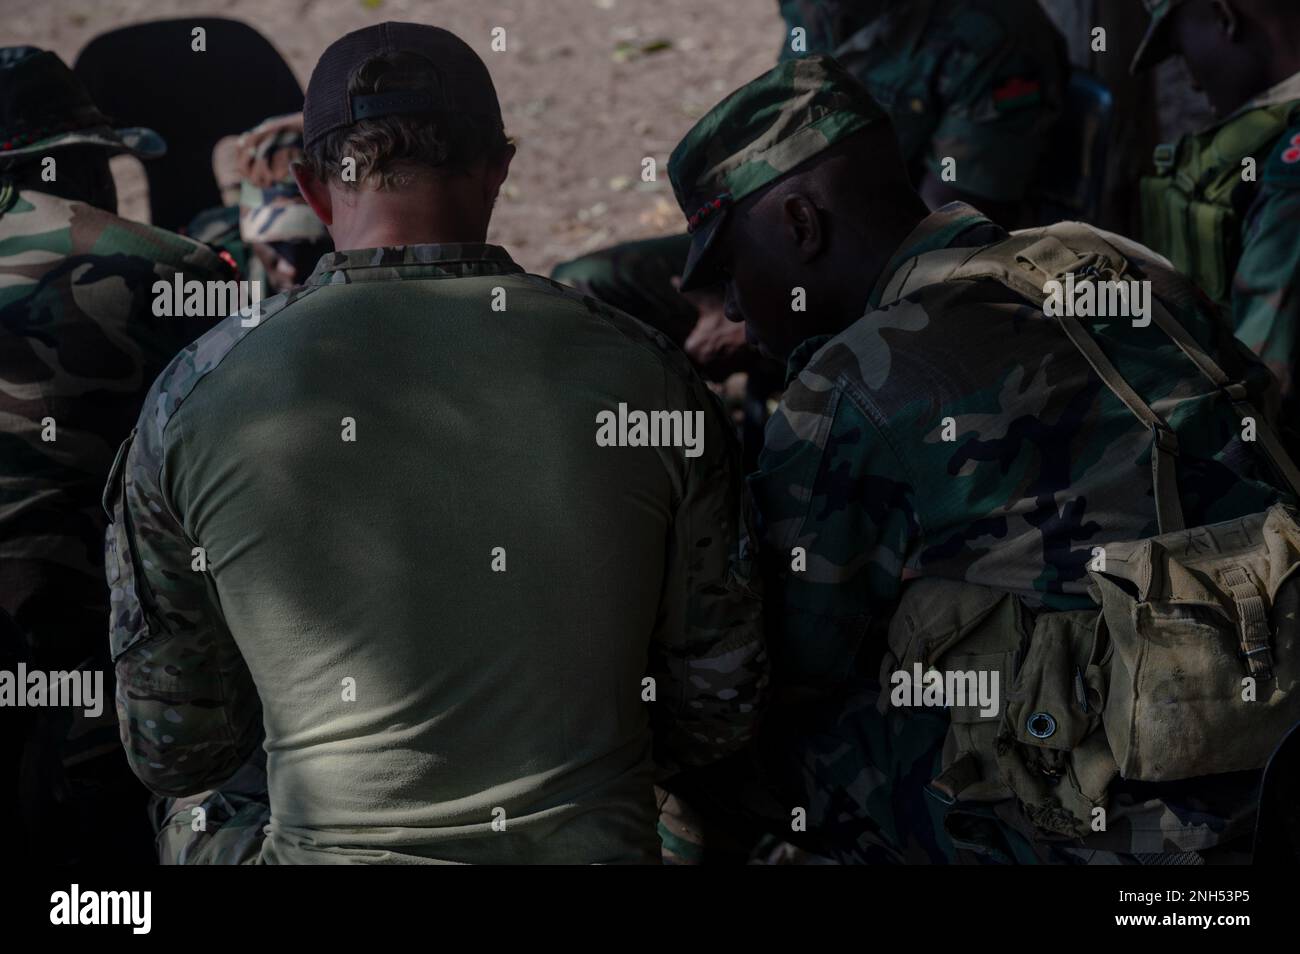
1193, 208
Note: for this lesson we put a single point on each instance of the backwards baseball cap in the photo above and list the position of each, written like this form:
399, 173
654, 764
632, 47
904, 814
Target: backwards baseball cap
44, 106
755, 136
460, 83
1154, 48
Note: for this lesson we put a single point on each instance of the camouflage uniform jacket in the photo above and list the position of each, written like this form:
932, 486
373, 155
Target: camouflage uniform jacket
329, 560
79, 345
1045, 464
978, 81
1266, 286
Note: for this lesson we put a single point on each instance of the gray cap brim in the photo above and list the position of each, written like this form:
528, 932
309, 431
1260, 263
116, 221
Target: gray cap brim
1154, 48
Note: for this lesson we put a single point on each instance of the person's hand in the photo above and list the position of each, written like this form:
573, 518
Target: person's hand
715, 345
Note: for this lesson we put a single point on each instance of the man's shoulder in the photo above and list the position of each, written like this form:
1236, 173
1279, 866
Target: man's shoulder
1000, 56
992, 27
78, 229
935, 337
67, 266
204, 355
639, 336
880, 349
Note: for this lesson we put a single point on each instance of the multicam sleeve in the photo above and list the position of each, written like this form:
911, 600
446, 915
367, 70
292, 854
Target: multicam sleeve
708, 659
836, 513
188, 712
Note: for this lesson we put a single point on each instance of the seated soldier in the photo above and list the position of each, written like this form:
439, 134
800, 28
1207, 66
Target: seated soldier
389, 532
958, 450
79, 342
974, 89
265, 225
1224, 202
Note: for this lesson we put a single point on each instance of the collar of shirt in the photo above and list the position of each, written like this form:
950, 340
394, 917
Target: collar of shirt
942, 228
1284, 92
802, 354
396, 262
955, 224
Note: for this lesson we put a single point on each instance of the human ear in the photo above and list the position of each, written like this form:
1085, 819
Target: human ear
497, 171
1226, 18
315, 192
802, 225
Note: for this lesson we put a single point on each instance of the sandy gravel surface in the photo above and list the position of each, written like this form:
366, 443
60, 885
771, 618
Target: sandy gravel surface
588, 87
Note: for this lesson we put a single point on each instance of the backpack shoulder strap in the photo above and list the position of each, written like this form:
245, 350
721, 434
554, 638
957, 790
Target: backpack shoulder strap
1026, 262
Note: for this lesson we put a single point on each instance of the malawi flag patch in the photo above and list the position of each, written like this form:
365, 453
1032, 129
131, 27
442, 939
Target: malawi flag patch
1017, 92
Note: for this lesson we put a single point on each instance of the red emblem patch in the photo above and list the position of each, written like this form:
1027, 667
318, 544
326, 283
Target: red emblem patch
1015, 88
1292, 155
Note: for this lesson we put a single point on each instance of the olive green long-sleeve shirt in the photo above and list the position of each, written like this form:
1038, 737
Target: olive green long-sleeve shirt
445, 591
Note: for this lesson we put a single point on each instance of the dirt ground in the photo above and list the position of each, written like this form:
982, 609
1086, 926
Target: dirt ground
588, 88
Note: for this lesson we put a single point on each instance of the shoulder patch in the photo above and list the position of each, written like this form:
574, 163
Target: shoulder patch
1017, 92
1283, 169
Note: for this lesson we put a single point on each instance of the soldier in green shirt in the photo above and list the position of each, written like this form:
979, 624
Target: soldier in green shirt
436, 528
948, 454
1224, 203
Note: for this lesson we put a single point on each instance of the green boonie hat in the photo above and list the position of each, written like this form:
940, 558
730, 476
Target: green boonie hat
755, 136
43, 106
1154, 48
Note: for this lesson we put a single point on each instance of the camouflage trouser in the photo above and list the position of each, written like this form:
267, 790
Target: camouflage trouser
636, 277
862, 777
224, 826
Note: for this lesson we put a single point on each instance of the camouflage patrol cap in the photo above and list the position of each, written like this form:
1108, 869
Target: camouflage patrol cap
43, 106
1154, 48
755, 136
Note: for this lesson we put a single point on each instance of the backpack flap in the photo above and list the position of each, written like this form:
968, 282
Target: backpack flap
1204, 636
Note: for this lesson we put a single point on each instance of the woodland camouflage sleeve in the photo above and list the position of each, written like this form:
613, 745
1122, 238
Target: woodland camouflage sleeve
1266, 290
1001, 86
837, 519
708, 658
188, 710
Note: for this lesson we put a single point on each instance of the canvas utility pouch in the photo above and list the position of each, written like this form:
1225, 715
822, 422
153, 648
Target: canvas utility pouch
952, 627
1041, 742
1050, 750
1203, 634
